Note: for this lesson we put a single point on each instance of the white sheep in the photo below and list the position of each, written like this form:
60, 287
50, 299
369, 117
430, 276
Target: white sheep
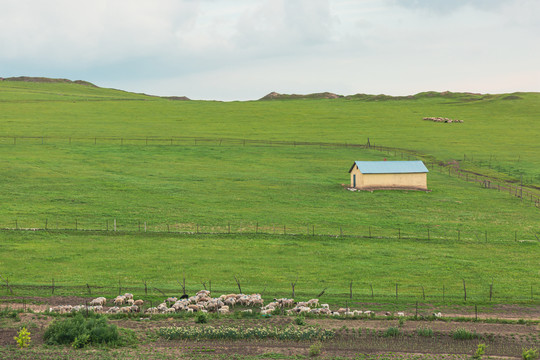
98, 301
224, 309
119, 300
128, 296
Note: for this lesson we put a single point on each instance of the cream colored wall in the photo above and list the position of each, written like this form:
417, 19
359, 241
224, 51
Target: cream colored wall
415, 180
359, 175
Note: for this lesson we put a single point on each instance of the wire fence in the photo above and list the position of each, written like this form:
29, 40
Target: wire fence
458, 291
114, 226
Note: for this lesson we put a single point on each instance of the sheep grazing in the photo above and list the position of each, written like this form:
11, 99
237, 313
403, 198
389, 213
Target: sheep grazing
62, 309
162, 307
98, 301
178, 306
171, 300
437, 315
113, 310
130, 301
256, 301
325, 306
128, 296
266, 312
223, 310
138, 302
313, 302
230, 302
273, 304
400, 314
119, 300
194, 308
152, 310
203, 292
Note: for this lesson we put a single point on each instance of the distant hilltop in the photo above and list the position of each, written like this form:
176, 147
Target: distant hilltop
277, 96
79, 82
458, 96
462, 96
47, 80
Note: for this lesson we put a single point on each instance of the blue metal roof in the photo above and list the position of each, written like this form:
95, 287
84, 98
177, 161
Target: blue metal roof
390, 167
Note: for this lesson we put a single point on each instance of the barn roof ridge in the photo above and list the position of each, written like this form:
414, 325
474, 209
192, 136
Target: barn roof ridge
390, 167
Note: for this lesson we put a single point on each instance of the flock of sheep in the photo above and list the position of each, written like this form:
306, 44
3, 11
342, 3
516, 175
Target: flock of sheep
224, 304
444, 120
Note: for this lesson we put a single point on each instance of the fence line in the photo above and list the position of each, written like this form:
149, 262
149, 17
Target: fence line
522, 192
115, 227
357, 291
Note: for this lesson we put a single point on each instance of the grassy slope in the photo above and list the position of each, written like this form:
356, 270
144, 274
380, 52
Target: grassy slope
207, 185
272, 263
213, 185
505, 130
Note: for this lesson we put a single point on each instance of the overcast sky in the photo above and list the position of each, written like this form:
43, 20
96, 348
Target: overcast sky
244, 49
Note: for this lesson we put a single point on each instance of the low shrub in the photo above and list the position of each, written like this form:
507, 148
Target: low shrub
80, 331
391, 331
10, 314
425, 332
300, 320
529, 354
315, 349
464, 334
480, 351
201, 318
23, 338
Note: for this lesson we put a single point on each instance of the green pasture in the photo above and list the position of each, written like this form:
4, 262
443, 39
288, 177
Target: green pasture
87, 187
500, 132
89, 166
270, 264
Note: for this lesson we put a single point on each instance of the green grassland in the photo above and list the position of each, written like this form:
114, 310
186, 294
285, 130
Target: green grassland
271, 263
182, 187
500, 128
298, 187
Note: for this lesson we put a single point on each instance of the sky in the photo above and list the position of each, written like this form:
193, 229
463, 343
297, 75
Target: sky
244, 49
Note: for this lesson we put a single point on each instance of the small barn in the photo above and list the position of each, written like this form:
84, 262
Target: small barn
370, 175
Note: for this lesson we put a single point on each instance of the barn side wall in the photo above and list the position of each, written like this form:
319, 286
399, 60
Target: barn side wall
409, 180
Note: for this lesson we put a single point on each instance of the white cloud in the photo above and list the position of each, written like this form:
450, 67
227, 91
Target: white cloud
247, 48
